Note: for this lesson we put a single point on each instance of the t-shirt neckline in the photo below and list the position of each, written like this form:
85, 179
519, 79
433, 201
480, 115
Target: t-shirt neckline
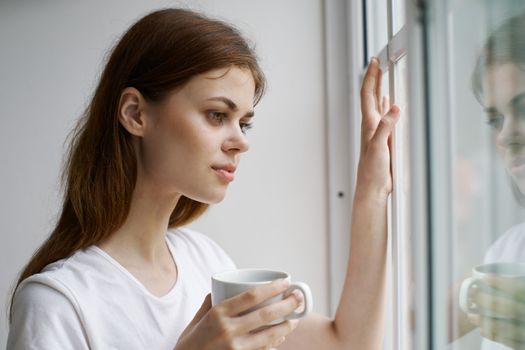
172, 292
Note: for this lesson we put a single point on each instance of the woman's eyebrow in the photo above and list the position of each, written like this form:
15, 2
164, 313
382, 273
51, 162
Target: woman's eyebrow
516, 100
491, 110
231, 105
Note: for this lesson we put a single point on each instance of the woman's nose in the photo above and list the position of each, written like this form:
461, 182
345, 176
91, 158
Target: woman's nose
236, 141
512, 132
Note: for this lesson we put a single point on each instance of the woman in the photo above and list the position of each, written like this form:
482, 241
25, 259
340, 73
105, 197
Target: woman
159, 142
499, 85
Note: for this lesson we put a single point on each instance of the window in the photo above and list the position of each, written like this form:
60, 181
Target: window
368, 28
386, 38
461, 198
453, 196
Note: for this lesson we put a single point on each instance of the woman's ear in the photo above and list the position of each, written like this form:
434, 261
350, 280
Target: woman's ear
131, 111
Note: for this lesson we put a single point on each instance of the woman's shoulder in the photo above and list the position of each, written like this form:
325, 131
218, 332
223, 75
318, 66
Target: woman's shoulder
43, 289
514, 234
46, 312
510, 247
45, 316
64, 275
39, 294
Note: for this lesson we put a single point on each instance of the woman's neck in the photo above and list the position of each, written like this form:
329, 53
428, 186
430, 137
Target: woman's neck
142, 235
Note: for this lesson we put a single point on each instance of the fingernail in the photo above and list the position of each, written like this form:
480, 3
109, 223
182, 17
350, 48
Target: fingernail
374, 58
295, 323
298, 295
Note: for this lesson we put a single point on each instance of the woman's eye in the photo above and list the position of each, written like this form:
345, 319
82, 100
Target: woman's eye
245, 127
495, 121
218, 117
520, 111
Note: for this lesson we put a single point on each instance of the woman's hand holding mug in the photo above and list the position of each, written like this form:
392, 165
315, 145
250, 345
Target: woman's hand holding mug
259, 317
494, 299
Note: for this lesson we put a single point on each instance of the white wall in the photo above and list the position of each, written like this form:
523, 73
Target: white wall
275, 213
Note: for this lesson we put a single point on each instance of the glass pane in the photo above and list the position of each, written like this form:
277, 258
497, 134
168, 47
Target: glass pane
477, 167
401, 198
376, 26
399, 14
389, 334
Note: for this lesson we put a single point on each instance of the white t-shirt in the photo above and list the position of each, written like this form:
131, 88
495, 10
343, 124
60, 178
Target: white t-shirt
90, 301
510, 247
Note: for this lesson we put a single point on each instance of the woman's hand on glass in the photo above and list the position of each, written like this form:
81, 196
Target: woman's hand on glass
227, 326
501, 308
378, 120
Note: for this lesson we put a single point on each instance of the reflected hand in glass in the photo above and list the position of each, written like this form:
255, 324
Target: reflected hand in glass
499, 302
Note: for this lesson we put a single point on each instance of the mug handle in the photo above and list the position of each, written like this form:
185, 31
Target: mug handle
308, 302
465, 293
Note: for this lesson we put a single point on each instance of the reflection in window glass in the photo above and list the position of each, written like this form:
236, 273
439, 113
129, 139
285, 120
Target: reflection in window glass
477, 162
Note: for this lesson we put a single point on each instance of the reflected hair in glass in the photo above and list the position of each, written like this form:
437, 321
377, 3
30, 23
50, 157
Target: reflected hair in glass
506, 44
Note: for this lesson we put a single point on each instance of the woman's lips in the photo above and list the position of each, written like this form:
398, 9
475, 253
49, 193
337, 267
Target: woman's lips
517, 166
224, 174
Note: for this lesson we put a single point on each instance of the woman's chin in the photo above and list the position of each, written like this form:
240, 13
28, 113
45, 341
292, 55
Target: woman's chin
518, 190
215, 200
210, 198
521, 189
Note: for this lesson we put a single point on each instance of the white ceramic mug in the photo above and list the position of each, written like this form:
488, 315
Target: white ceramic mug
470, 286
228, 284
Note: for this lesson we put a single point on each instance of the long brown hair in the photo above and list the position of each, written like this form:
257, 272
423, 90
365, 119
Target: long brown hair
160, 52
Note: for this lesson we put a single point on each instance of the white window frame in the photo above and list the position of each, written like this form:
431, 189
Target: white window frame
343, 39
345, 62
420, 268
395, 49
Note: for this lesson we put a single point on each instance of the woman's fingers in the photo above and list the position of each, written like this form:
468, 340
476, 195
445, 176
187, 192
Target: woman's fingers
379, 97
370, 103
514, 287
263, 316
205, 307
386, 125
379, 117
268, 336
490, 304
385, 104
500, 329
278, 342
223, 326
475, 319
244, 301
369, 87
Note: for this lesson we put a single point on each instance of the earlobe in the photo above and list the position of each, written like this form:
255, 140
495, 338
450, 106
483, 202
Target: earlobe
130, 112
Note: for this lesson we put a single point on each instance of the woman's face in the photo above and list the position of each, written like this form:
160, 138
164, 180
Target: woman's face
504, 101
197, 134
